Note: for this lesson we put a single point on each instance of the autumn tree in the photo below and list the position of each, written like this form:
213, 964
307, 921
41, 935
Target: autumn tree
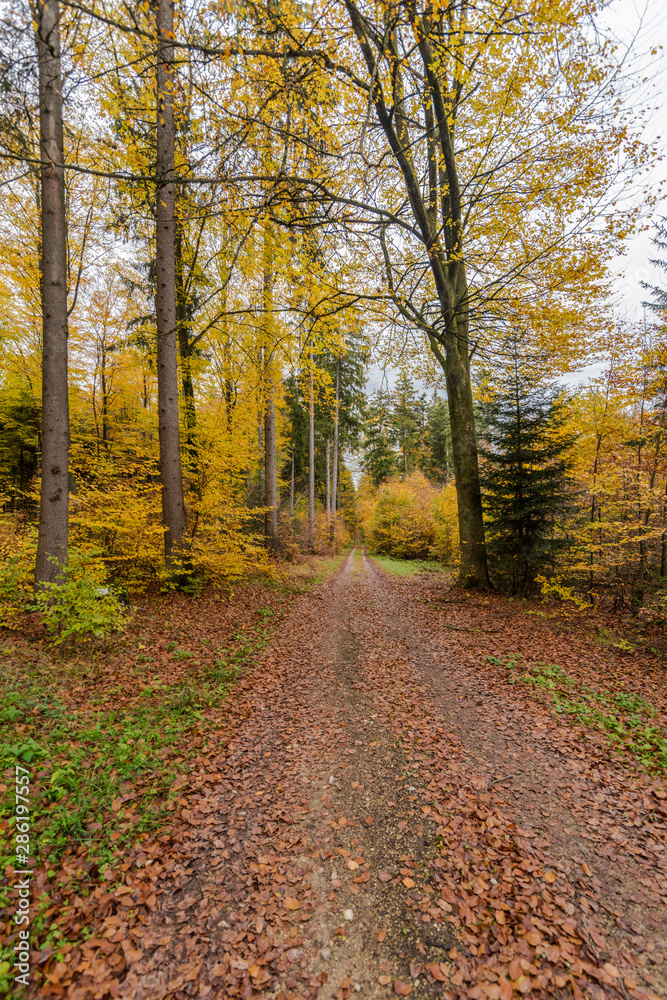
481, 178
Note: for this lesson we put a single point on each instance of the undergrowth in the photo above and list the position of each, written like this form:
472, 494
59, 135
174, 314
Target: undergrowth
628, 721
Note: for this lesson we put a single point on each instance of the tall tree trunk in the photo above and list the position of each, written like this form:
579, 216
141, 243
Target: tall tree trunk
270, 483
105, 400
54, 495
173, 504
185, 349
328, 486
311, 457
334, 475
291, 487
474, 571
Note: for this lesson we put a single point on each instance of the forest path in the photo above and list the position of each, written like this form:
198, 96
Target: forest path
381, 823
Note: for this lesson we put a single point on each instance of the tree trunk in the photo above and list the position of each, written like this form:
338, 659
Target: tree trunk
291, 488
328, 487
173, 504
334, 477
54, 495
311, 458
474, 571
270, 484
185, 349
105, 401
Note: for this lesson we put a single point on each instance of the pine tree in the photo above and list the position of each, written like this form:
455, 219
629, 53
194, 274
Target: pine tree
525, 477
659, 295
439, 466
408, 418
379, 459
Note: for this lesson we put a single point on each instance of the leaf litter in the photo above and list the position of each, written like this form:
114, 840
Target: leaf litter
436, 864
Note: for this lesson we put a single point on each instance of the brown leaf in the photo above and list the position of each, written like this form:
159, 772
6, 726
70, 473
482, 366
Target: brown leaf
384, 876
381, 936
408, 882
437, 972
291, 903
402, 988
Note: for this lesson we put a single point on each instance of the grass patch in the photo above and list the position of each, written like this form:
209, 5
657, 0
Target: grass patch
629, 722
406, 567
302, 577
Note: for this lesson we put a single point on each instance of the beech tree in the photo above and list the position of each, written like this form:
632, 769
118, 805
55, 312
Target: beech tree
479, 183
54, 495
173, 503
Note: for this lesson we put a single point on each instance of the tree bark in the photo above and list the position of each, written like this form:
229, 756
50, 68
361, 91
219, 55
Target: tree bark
54, 495
185, 349
173, 504
311, 457
334, 476
328, 486
291, 487
270, 478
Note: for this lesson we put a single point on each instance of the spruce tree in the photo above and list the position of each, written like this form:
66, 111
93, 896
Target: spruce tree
525, 477
659, 295
439, 441
379, 459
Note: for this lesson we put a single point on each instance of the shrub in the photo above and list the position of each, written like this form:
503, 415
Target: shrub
409, 518
78, 603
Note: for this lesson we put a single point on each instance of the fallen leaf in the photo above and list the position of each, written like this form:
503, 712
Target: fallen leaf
381, 936
408, 882
291, 903
437, 972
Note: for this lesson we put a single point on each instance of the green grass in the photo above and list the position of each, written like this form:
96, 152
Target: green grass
406, 567
628, 721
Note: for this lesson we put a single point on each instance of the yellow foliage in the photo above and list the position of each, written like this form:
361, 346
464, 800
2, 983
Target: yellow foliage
409, 518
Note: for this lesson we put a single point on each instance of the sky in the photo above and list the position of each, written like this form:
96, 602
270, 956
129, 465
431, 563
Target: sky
644, 23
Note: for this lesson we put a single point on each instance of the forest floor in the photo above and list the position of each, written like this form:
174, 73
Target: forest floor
409, 791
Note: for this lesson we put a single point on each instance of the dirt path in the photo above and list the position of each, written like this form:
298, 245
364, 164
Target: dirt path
383, 824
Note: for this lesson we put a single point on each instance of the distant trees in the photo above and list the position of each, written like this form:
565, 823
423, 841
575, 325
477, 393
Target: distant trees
403, 432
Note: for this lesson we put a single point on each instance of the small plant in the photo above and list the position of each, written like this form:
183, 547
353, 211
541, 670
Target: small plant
553, 587
78, 603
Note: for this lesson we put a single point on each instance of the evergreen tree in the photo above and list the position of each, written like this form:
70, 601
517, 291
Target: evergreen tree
659, 295
525, 477
439, 466
379, 459
407, 415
